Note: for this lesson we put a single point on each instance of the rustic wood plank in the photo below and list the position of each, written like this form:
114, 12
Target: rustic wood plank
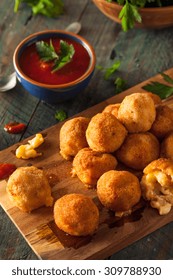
36, 227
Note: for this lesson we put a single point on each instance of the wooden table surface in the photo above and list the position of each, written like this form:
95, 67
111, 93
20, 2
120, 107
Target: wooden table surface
143, 53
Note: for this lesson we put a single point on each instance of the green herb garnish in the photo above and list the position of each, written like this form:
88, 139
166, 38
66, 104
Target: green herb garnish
66, 53
119, 85
112, 69
109, 72
130, 14
47, 53
163, 90
60, 115
49, 8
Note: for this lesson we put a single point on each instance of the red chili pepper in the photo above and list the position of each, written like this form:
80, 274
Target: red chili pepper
6, 169
14, 127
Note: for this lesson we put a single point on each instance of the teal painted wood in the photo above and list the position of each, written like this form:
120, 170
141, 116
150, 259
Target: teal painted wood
143, 53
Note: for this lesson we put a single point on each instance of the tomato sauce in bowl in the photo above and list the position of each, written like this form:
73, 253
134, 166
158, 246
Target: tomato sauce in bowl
40, 71
40, 79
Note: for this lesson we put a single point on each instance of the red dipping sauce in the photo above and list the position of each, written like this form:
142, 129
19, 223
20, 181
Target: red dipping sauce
39, 71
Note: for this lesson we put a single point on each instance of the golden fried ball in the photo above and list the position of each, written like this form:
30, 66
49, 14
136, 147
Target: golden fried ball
105, 133
112, 109
119, 191
137, 112
138, 150
89, 165
163, 123
167, 146
157, 185
157, 100
72, 136
76, 214
29, 188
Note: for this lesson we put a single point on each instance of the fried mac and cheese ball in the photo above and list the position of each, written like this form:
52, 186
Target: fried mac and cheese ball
137, 112
119, 191
167, 146
163, 123
138, 150
89, 165
157, 185
157, 100
76, 214
112, 109
29, 189
105, 133
72, 136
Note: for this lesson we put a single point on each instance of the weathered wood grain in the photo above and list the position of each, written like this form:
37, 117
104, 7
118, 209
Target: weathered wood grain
143, 53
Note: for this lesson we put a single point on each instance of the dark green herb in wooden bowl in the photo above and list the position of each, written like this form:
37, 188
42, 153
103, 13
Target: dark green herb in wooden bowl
138, 13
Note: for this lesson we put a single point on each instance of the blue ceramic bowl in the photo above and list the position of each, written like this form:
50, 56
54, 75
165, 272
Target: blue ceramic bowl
47, 92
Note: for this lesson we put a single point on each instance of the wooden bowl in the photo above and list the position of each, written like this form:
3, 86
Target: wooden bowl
160, 17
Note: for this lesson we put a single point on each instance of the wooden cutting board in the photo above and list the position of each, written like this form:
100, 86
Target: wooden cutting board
38, 228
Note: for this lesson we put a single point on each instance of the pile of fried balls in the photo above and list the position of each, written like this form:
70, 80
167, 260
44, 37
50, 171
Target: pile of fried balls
108, 152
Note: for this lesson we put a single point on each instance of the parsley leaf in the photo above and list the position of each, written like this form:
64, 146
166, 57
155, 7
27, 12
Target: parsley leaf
49, 8
163, 90
66, 54
167, 78
119, 85
109, 71
60, 115
129, 15
47, 53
